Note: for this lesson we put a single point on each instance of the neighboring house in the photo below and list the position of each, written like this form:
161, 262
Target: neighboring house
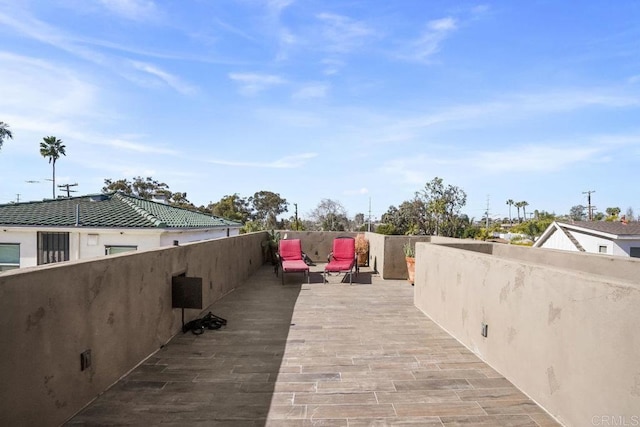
37, 233
612, 238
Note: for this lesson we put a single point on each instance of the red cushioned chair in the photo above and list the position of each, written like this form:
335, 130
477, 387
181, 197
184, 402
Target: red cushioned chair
342, 258
290, 256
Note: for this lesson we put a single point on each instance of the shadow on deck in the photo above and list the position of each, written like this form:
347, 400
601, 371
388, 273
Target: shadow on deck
313, 354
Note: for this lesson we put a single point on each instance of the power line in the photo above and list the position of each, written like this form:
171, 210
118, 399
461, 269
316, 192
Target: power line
67, 187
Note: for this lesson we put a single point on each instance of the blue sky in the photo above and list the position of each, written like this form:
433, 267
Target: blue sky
356, 101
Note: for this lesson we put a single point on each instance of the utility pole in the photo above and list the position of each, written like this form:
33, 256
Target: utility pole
369, 228
18, 198
487, 213
66, 187
296, 216
590, 208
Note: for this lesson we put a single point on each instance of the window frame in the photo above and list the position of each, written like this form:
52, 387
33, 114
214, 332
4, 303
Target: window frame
6, 266
53, 246
131, 248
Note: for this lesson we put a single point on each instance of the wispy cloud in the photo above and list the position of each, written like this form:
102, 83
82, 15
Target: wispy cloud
288, 162
356, 192
332, 66
428, 44
311, 91
23, 23
167, 78
520, 106
136, 10
277, 6
533, 158
124, 144
24, 80
253, 83
343, 34
528, 158
35, 29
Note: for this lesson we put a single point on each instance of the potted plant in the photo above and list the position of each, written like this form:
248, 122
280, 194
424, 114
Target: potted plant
362, 249
270, 246
410, 257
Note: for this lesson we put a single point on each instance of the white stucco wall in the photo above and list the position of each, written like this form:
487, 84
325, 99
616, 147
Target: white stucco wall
82, 244
591, 243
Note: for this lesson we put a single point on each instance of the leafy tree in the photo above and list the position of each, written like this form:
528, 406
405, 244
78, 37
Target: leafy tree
510, 202
598, 216
612, 214
232, 207
266, 207
406, 218
577, 213
387, 229
330, 215
358, 221
148, 189
629, 216
52, 148
534, 227
434, 210
443, 204
250, 227
180, 200
5, 133
145, 188
545, 216
122, 185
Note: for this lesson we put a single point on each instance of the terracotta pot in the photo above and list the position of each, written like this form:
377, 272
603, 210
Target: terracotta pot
362, 260
411, 268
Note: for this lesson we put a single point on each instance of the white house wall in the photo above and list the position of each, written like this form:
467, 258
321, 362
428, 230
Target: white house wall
558, 240
91, 243
623, 247
592, 244
186, 236
28, 245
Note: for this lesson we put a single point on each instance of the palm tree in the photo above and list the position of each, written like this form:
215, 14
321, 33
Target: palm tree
518, 205
52, 148
510, 202
4, 133
524, 204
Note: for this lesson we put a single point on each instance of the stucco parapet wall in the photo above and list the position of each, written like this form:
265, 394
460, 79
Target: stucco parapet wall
609, 266
565, 336
119, 307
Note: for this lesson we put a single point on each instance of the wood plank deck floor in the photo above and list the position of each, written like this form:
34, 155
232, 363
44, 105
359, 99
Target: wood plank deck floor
315, 354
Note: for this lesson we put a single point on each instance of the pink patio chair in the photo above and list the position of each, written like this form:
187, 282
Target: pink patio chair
342, 258
290, 256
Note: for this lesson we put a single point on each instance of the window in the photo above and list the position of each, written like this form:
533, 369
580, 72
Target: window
9, 256
112, 250
602, 249
635, 252
52, 247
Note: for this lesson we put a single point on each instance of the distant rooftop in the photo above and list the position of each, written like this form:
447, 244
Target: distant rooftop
616, 228
110, 210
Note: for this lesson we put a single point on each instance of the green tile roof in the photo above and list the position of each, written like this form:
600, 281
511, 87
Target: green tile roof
112, 210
